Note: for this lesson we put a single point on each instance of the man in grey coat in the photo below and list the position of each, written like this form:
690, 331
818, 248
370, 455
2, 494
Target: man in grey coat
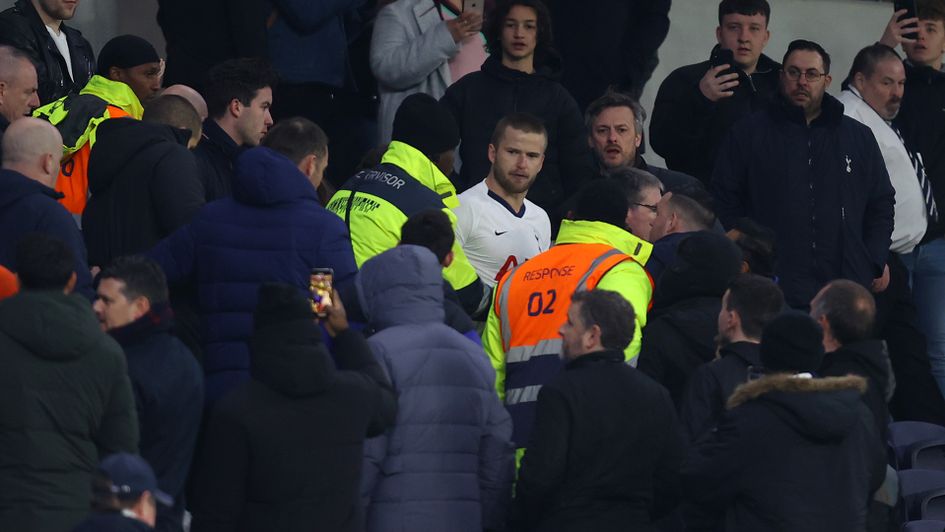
447, 463
411, 49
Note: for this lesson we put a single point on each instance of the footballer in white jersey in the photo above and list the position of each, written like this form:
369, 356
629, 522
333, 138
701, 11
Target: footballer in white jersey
494, 236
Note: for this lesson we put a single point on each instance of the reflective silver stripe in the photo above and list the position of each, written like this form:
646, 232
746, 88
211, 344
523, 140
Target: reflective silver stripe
582, 284
524, 353
504, 310
528, 394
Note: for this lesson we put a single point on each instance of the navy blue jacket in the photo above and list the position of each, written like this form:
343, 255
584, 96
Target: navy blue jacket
822, 188
447, 462
168, 387
28, 206
272, 230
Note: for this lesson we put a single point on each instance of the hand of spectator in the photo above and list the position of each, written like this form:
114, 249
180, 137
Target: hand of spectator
715, 87
336, 319
464, 26
882, 283
893, 36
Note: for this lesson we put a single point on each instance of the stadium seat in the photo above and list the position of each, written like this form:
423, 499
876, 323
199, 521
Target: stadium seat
924, 526
903, 439
920, 490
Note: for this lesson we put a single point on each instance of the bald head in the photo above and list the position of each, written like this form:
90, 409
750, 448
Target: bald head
846, 310
33, 147
189, 94
18, 84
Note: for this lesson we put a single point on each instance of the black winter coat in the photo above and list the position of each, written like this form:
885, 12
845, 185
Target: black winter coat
479, 100
67, 403
21, 27
921, 120
822, 188
112, 522
216, 159
284, 451
144, 184
867, 359
791, 454
604, 453
687, 128
168, 388
608, 43
712, 384
193, 46
28, 206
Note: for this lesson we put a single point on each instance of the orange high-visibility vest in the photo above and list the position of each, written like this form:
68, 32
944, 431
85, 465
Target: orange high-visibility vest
73, 180
531, 303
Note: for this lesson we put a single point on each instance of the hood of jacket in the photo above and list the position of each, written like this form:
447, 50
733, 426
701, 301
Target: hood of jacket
547, 70
115, 93
51, 325
15, 186
402, 286
585, 232
289, 357
421, 168
819, 409
121, 141
748, 352
264, 177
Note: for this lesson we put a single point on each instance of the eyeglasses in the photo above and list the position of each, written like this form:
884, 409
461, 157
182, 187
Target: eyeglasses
651, 207
811, 75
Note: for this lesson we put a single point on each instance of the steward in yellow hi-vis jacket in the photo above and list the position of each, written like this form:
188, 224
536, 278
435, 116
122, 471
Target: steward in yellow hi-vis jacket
376, 202
531, 302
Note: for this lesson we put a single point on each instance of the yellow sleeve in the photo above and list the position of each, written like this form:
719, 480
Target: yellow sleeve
630, 280
460, 273
492, 343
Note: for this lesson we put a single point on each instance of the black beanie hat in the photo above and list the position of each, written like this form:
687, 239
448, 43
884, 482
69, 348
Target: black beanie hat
425, 124
705, 263
126, 51
792, 342
280, 303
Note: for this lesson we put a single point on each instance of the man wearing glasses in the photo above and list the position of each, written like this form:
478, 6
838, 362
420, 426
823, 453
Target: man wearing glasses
815, 177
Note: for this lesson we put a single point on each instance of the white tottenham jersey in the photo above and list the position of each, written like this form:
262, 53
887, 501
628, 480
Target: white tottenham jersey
494, 237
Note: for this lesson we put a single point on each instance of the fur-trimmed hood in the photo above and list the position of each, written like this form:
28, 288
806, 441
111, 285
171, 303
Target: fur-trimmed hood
821, 409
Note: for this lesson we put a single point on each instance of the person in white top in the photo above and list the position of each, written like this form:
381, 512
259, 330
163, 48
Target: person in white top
872, 95
497, 227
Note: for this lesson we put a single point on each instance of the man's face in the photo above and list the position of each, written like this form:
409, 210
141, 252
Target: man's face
144, 80
726, 322
802, 92
254, 120
745, 35
574, 335
640, 217
614, 137
18, 94
112, 308
929, 44
662, 224
520, 33
58, 9
883, 89
517, 160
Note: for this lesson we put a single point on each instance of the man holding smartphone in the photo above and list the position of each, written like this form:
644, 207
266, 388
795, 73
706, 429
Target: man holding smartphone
921, 120
697, 104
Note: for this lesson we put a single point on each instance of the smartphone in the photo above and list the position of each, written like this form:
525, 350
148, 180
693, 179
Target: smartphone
723, 56
911, 12
475, 6
319, 286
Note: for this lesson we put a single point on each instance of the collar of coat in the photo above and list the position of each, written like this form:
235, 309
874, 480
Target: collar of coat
783, 382
585, 232
831, 112
421, 168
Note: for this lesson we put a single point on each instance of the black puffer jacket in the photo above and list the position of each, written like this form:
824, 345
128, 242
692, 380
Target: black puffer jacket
791, 454
144, 184
823, 188
479, 100
687, 128
869, 360
284, 450
21, 27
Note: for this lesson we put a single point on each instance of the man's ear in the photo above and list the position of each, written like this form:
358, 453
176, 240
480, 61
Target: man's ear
142, 306
448, 259
235, 108
70, 284
115, 74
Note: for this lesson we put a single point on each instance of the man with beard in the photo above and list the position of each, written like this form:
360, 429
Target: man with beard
496, 226
63, 57
815, 177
